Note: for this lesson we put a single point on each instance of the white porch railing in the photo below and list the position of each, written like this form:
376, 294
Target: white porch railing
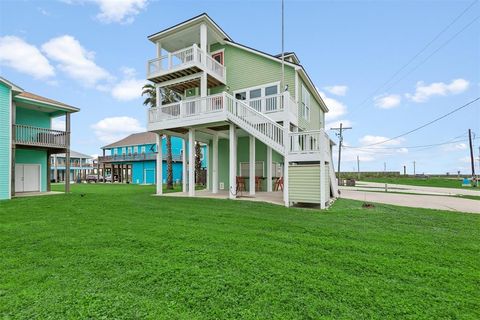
184, 58
309, 142
41, 137
186, 108
254, 122
272, 103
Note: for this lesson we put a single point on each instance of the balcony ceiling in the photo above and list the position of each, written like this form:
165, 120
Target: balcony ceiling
186, 38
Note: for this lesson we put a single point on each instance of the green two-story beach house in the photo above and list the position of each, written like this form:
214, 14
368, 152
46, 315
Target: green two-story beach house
27, 140
259, 114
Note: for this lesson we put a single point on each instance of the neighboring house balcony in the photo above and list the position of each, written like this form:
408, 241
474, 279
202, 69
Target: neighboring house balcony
135, 157
40, 137
186, 63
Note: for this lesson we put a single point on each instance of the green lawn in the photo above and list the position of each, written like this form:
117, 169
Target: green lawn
115, 251
430, 182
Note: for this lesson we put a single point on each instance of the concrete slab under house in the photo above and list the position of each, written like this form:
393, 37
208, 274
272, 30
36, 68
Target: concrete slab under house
259, 116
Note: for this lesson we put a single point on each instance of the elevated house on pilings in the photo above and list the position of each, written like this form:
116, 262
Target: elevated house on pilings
264, 137
27, 140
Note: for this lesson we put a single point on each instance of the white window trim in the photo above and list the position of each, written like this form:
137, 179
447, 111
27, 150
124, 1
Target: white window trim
248, 164
306, 105
262, 86
218, 51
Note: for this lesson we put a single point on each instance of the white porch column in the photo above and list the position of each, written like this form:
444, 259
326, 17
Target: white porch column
269, 169
233, 162
184, 165
215, 164
203, 38
286, 142
159, 169
159, 51
191, 162
322, 176
251, 166
209, 164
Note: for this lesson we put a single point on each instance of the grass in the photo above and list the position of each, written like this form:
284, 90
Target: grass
430, 182
115, 251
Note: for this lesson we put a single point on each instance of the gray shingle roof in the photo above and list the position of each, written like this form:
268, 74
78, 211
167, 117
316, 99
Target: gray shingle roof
134, 139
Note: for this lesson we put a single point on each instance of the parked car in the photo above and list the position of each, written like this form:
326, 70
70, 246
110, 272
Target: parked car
93, 178
108, 178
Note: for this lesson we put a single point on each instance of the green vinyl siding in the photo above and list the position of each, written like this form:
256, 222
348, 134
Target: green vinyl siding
316, 113
33, 118
246, 69
304, 183
5, 141
26, 156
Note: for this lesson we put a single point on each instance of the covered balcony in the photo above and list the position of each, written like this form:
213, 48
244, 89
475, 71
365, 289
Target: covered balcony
40, 137
183, 54
186, 62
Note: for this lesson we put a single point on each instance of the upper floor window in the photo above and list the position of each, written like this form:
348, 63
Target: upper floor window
124, 150
218, 56
114, 151
305, 106
143, 149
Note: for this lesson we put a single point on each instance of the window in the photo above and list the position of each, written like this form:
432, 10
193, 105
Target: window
245, 171
241, 95
277, 170
257, 93
218, 57
271, 90
305, 106
143, 149
137, 149
114, 151
124, 150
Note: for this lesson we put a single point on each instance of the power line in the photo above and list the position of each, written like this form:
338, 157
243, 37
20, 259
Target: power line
450, 141
424, 125
422, 51
434, 52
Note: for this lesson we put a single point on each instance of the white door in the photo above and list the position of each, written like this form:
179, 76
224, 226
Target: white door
27, 178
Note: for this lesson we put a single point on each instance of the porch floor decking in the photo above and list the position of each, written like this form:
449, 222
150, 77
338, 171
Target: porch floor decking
275, 197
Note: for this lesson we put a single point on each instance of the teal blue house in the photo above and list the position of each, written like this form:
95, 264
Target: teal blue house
133, 159
27, 139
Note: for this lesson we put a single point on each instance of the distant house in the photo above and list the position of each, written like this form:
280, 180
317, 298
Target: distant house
81, 165
133, 159
27, 139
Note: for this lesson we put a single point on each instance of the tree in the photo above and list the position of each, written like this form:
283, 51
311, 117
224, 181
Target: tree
168, 96
198, 161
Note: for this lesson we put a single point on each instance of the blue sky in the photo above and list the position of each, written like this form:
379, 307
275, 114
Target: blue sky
92, 54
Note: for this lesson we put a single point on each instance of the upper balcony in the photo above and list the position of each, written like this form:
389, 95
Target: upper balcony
186, 62
135, 157
40, 137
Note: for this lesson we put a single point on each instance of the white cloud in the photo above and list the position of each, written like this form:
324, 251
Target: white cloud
16, 53
122, 11
337, 90
336, 108
119, 11
369, 140
112, 129
455, 147
75, 61
423, 91
129, 88
58, 124
336, 124
387, 101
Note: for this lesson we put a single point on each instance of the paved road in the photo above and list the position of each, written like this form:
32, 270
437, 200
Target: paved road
442, 202
361, 185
